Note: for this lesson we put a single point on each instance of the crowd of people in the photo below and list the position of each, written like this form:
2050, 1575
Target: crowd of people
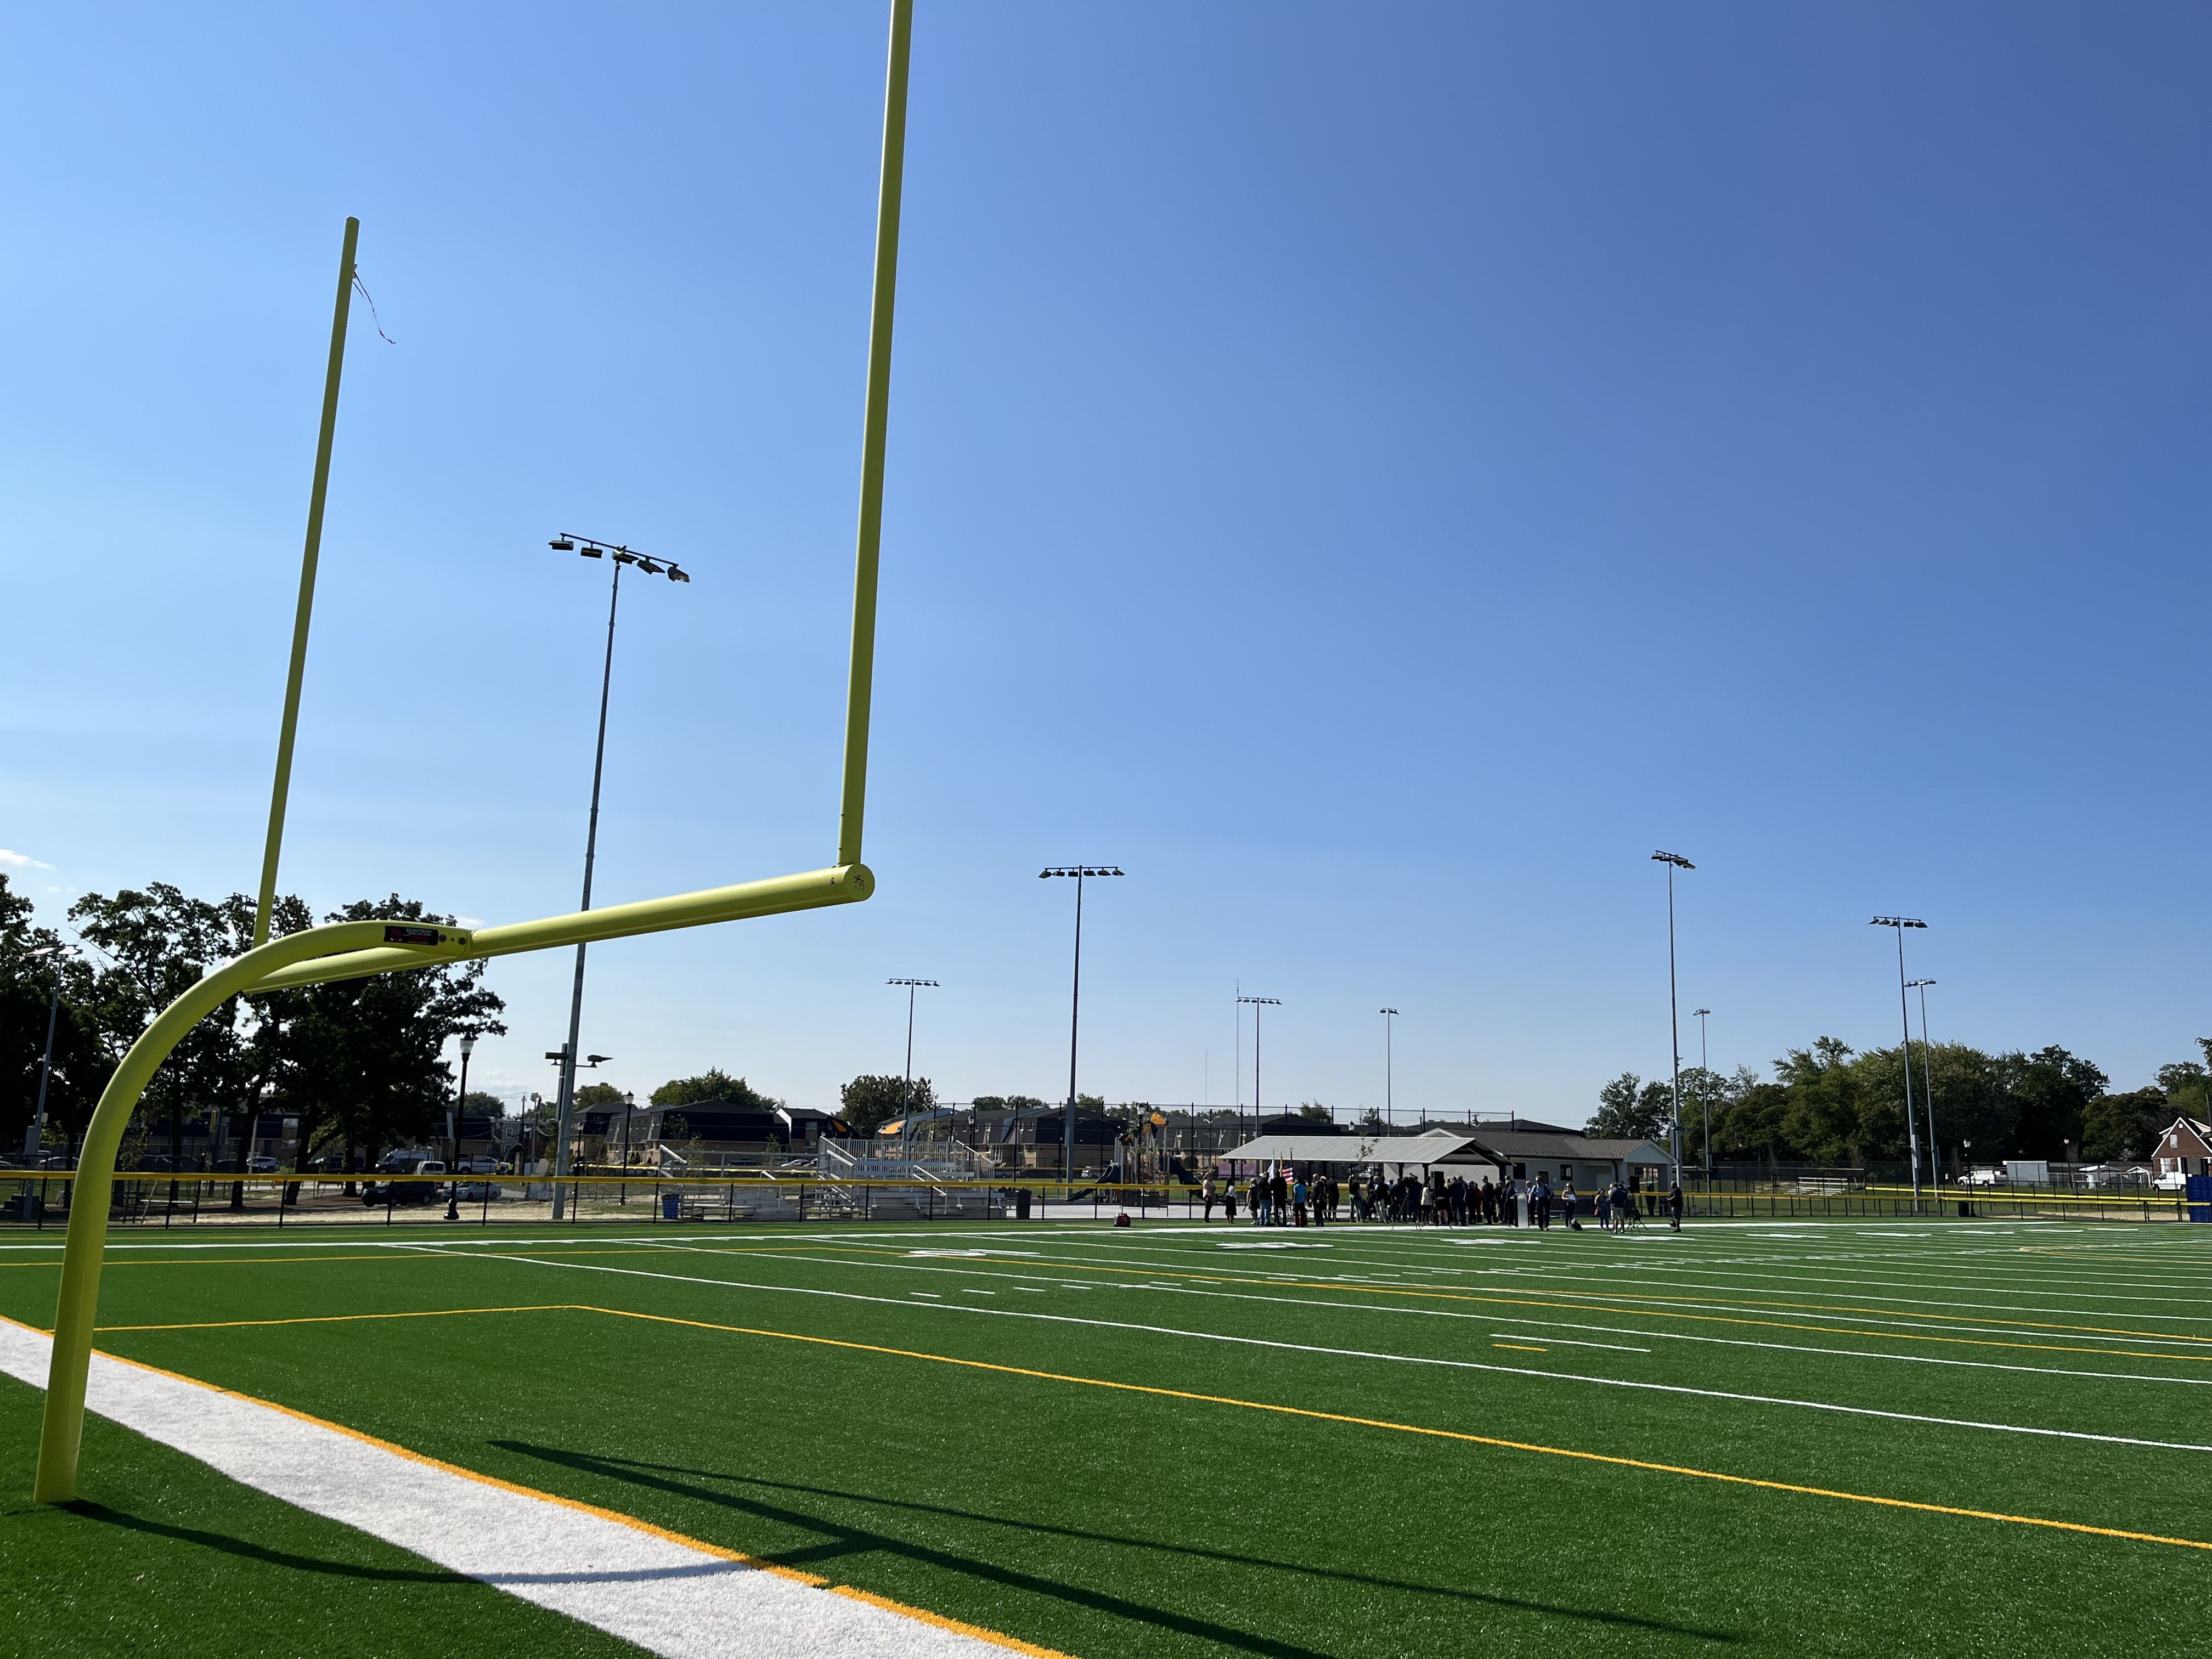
1281, 1197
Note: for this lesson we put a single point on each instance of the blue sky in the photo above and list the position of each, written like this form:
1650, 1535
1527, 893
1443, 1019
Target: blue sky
1373, 472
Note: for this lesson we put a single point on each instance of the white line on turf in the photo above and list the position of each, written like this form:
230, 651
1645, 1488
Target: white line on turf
630, 1580
1397, 1358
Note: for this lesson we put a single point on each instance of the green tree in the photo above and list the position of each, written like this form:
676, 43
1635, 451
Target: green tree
2053, 1089
2187, 1087
2124, 1128
1822, 1122
358, 1060
712, 1084
1629, 1108
867, 1103
153, 945
82, 1062
1753, 1123
598, 1098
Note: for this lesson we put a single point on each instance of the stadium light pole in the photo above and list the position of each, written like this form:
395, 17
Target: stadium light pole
1673, 862
906, 1094
1905, 1015
35, 1131
618, 555
1079, 872
1389, 1017
453, 1148
1258, 1003
1927, 1094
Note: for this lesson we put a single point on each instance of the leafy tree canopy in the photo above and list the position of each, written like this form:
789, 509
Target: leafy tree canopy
712, 1084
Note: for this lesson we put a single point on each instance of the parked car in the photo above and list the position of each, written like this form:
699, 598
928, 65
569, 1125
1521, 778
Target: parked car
262, 1165
2171, 1183
375, 1195
1987, 1175
476, 1192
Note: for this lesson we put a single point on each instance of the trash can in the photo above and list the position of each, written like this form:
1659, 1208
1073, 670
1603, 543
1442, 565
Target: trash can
671, 1207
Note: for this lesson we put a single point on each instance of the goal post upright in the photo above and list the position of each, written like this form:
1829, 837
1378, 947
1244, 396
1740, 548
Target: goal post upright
354, 949
77, 1304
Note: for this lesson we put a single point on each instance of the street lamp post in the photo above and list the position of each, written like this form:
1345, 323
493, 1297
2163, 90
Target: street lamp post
454, 1146
1673, 862
1079, 872
906, 1093
1928, 1093
1706, 1087
629, 1111
1389, 1017
1258, 1003
1905, 1015
565, 543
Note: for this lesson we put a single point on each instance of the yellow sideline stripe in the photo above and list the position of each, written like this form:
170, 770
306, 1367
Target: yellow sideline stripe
336, 1319
997, 1638
1441, 1434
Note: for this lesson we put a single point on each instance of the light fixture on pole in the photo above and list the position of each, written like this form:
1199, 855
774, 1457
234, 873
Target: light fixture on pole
1928, 1093
454, 1142
906, 1094
1081, 873
588, 548
1673, 862
1389, 1017
1258, 1003
1704, 1090
567, 1073
1905, 1015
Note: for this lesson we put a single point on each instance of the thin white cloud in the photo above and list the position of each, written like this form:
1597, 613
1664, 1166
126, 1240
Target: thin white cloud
22, 861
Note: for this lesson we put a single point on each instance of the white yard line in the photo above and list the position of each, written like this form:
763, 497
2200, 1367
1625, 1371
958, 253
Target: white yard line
1397, 1358
668, 1594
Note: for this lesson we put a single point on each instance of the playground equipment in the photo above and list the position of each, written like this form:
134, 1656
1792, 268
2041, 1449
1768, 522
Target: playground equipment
356, 949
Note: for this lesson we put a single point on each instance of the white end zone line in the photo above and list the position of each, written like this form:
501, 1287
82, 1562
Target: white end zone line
666, 1594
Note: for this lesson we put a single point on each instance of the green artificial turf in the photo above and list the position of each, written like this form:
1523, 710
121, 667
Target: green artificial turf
1109, 1521
162, 1555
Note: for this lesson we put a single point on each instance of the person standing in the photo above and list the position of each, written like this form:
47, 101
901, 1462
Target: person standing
1206, 1196
1539, 1201
1674, 1204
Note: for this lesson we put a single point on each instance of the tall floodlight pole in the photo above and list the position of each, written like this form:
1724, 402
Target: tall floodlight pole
1389, 1017
35, 1131
1905, 1016
288, 727
1079, 872
1673, 862
585, 547
1258, 1003
1928, 1093
1705, 1089
906, 1093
